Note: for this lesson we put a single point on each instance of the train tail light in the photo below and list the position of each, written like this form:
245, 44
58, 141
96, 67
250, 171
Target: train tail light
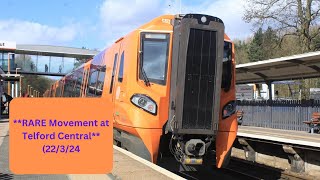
229, 109
144, 102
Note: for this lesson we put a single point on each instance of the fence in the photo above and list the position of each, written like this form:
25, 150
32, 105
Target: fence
278, 114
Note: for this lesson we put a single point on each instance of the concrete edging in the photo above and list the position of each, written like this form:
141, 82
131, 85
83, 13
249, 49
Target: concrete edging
149, 164
279, 139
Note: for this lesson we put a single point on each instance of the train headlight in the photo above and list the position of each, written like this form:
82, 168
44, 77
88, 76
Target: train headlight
229, 109
144, 102
203, 19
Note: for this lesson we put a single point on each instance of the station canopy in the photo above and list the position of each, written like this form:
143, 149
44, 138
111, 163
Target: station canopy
294, 67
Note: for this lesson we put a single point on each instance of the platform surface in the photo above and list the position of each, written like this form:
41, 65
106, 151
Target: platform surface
129, 166
279, 135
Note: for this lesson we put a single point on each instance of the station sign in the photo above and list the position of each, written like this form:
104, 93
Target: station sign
8, 45
244, 92
315, 93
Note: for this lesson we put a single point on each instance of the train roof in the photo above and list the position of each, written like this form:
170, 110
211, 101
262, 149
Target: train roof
99, 58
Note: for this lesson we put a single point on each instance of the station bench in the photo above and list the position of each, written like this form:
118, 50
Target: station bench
314, 123
240, 117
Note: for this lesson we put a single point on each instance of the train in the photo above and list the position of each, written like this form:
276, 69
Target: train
171, 82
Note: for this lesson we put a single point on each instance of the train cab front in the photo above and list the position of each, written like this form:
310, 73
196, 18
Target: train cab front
195, 89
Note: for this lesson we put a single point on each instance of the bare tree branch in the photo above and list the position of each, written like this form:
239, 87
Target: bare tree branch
295, 17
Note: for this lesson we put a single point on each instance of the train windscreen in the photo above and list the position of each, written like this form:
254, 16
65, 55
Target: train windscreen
155, 56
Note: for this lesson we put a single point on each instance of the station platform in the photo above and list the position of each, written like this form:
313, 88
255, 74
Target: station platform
280, 136
126, 165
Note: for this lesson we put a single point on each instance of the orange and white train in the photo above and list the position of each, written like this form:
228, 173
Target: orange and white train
172, 87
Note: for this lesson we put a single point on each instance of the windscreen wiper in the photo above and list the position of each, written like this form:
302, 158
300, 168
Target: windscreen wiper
143, 73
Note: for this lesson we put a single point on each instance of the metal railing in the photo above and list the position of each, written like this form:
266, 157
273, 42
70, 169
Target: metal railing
278, 114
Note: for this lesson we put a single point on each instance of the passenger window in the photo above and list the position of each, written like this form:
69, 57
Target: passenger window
73, 85
92, 82
113, 72
69, 88
102, 73
78, 86
120, 76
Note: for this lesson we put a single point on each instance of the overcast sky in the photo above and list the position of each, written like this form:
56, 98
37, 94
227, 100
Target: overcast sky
97, 23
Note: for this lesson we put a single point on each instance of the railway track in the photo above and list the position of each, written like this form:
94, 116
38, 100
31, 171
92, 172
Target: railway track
206, 172
237, 170
258, 171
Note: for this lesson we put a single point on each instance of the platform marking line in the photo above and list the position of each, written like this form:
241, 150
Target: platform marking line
272, 130
283, 135
279, 139
149, 164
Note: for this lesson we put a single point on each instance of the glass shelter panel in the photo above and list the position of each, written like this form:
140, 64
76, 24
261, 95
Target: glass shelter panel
20, 61
28, 63
43, 63
55, 65
68, 64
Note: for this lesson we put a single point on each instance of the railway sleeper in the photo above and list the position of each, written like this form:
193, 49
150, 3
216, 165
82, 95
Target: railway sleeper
296, 161
250, 153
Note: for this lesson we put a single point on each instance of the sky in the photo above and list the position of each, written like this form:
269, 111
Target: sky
95, 24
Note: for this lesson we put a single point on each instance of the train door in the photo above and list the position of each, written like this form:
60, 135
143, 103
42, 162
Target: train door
112, 89
109, 61
120, 90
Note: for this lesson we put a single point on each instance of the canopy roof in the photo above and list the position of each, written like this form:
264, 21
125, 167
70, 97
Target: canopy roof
285, 68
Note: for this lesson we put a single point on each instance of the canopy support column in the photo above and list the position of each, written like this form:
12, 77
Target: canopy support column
269, 83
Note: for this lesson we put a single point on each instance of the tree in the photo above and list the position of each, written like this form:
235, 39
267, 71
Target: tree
255, 51
289, 17
38, 83
270, 43
241, 51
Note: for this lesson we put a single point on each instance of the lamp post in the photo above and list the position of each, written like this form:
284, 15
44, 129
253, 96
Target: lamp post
17, 70
16, 84
20, 81
9, 82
